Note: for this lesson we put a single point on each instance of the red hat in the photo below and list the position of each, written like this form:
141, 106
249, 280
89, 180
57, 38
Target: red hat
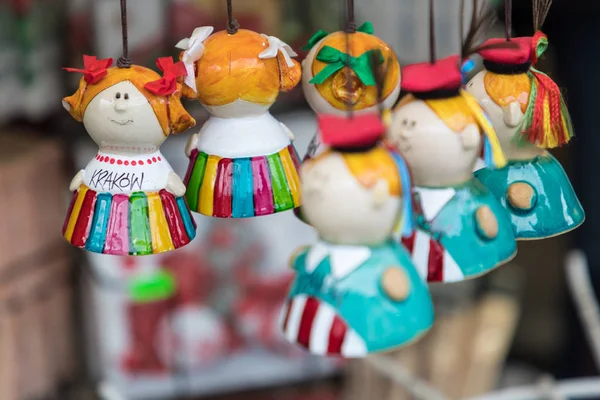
444, 75
357, 132
522, 54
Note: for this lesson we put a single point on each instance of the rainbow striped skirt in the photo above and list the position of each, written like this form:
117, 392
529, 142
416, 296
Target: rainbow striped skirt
243, 187
140, 223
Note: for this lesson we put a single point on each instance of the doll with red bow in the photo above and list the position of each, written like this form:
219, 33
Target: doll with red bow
128, 200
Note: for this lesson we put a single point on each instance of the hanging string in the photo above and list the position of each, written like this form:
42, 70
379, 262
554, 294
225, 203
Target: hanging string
124, 61
351, 20
461, 25
431, 32
232, 24
540, 12
508, 18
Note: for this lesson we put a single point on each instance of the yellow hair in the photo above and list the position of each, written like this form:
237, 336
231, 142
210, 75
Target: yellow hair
505, 89
371, 166
458, 112
171, 115
335, 91
230, 69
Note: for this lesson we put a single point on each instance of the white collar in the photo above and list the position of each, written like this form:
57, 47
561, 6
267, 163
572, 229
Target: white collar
432, 200
343, 259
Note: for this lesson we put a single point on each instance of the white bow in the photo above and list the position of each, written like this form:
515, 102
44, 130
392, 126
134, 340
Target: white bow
193, 48
275, 46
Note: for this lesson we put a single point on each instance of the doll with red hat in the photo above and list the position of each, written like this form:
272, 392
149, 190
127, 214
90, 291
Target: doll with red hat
440, 130
128, 200
356, 290
530, 116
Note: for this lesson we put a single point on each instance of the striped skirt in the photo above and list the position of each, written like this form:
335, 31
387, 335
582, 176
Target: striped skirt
137, 224
243, 187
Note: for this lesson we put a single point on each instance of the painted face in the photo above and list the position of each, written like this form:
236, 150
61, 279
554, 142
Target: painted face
343, 211
332, 96
436, 155
122, 118
506, 120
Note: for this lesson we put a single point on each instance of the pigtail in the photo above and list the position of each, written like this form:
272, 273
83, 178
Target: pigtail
179, 119
289, 77
74, 102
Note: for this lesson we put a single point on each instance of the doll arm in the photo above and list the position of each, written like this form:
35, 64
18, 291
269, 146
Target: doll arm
77, 180
395, 283
487, 223
295, 255
288, 131
192, 143
175, 185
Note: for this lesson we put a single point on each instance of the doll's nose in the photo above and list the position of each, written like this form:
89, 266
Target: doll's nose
120, 106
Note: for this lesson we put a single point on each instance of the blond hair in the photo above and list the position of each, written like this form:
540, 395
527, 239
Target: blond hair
505, 89
230, 69
335, 89
171, 115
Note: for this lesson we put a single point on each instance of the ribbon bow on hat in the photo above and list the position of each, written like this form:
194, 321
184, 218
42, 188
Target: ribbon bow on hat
275, 46
193, 47
93, 69
367, 28
168, 83
337, 60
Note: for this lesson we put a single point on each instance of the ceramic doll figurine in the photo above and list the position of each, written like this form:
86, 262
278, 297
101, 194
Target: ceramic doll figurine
356, 291
440, 130
530, 116
128, 200
325, 80
242, 162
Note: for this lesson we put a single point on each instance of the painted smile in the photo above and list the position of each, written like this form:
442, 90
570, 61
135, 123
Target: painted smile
122, 122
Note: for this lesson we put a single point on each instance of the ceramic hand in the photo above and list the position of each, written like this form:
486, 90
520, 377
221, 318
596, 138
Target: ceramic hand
77, 181
175, 185
288, 131
191, 144
487, 224
521, 196
395, 283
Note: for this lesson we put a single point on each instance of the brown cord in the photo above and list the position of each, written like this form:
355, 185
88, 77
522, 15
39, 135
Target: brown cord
349, 75
124, 61
431, 32
351, 20
232, 24
508, 19
540, 12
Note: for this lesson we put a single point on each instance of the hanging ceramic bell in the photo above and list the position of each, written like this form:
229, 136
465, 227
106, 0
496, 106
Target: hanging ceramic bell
128, 200
440, 130
242, 162
530, 116
325, 80
356, 291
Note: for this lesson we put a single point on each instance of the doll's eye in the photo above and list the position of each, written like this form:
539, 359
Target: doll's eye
118, 95
126, 96
413, 124
405, 122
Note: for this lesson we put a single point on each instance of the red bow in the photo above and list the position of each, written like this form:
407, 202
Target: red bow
168, 83
93, 69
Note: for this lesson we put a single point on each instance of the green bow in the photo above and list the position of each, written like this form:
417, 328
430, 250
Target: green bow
337, 60
367, 28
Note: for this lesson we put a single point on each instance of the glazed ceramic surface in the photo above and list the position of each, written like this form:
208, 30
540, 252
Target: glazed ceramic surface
533, 187
242, 162
128, 200
551, 209
332, 96
356, 290
463, 231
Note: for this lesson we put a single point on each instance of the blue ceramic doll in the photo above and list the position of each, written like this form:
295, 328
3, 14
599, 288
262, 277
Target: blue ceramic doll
530, 116
356, 291
440, 130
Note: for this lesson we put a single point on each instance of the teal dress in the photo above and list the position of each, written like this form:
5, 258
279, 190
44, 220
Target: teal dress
352, 316
457, 229
554, 208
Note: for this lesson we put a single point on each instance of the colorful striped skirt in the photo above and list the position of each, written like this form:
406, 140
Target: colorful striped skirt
243, 187
140, 223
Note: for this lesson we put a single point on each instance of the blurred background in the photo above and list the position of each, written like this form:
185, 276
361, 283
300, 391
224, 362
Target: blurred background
70, 325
